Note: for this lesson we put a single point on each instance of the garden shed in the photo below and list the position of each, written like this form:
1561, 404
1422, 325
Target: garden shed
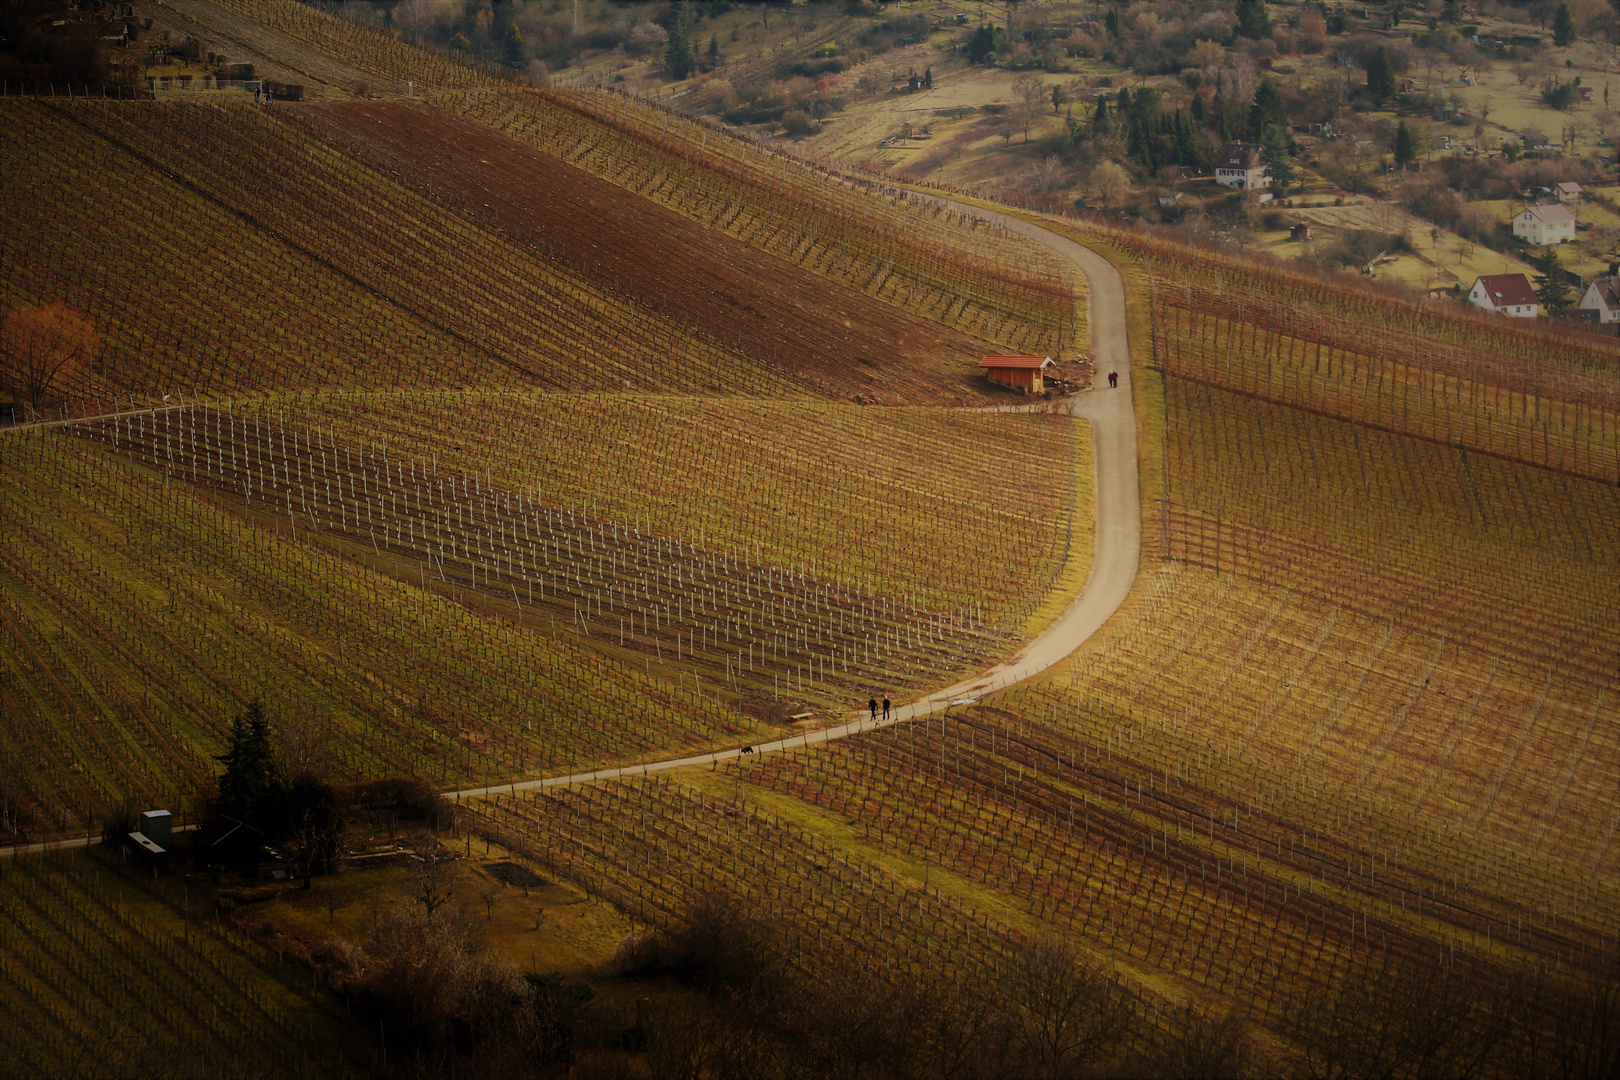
1023, 373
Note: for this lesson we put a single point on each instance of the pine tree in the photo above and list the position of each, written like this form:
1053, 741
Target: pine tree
1380, 77
680, 57
1254, 22
1405, 146
517, 50
1270, 110
982, 45
249, 785
1275, 148
1563, 27
1552, 287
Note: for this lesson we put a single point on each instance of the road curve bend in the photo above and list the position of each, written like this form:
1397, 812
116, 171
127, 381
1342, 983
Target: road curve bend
1116, 551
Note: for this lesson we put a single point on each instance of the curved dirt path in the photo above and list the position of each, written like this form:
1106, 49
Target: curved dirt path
1116, 551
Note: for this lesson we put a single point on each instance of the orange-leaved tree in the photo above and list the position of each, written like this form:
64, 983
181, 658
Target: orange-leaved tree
41, 345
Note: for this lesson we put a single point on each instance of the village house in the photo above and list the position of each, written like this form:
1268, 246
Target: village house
1505, 294
1242, 167
1303, 231
1542, 225
1569, 191
1022, 373
1603, 296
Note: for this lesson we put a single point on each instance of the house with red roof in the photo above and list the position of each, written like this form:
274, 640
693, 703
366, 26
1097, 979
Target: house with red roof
1603, 296
1505, 294
1022, 373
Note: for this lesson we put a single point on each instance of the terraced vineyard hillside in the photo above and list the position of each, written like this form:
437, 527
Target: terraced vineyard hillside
1359, 723
523, 431
100, 976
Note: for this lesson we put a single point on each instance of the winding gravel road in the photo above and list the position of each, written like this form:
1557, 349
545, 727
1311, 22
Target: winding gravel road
1116, 552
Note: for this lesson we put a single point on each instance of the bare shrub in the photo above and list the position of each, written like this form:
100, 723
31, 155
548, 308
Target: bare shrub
1064, 1010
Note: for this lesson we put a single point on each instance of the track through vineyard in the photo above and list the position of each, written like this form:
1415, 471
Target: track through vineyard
1116, 552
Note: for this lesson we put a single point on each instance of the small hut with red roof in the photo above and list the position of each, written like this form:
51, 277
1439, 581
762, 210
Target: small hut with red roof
1022, 373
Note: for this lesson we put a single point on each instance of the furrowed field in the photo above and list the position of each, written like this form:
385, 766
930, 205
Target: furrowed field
101, 976
102, 215
949, 266
528, 598
1361, 720
502, 432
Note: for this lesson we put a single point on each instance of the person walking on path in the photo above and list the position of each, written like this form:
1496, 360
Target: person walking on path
872, 704
885, 708
1113, 379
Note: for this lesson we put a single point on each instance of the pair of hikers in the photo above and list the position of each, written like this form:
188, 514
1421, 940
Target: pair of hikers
873, 705
1113, 379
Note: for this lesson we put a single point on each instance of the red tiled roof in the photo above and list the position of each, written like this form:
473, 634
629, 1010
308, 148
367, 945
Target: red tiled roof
1028, 362
1508, 290
1608, 290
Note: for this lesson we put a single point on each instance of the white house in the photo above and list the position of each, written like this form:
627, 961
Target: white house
1542, 225
1603, 296
1569, 191
1242, 167
1505, 294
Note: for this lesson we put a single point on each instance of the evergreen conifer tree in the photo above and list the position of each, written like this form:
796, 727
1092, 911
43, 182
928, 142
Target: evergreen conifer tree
1276, 149
1563, 27
1552, 288
1405, 146
517, 50
1380, 77
680, 56
249, 786
1254, 22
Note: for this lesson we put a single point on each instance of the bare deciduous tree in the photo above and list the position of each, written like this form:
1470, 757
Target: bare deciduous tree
1109, 181
432, 875
489, 894
1029, 101
41, 345
1065, 1011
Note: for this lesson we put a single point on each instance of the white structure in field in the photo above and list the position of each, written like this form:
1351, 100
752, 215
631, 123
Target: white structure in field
1242, 167
1505, 294
1545, 225
1603, 296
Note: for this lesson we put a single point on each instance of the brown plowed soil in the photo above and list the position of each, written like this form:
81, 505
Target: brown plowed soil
843, 341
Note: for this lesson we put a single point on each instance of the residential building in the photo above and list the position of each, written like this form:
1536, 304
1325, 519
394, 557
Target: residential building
1242, 167
1505, 294
1603, 296
1543, 225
